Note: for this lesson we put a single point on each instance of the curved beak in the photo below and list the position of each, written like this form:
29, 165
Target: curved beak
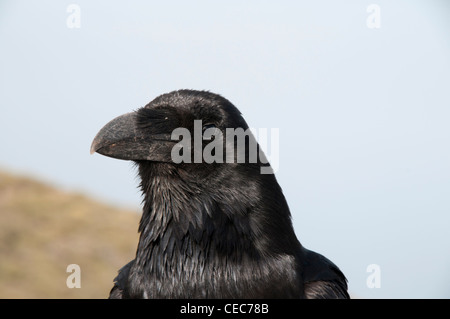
121, 138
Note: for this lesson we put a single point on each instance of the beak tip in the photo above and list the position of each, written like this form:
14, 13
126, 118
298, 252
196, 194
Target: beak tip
93, 148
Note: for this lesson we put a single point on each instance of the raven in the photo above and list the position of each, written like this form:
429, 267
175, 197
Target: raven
208, 230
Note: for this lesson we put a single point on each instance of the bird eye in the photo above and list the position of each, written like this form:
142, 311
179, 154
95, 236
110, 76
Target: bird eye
207, 126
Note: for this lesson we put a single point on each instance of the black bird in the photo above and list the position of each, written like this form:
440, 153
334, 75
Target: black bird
209, 230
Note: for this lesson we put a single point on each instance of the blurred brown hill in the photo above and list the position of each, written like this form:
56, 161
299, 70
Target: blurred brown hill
43, 230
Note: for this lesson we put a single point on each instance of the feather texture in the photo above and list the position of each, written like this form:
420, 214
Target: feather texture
211, 230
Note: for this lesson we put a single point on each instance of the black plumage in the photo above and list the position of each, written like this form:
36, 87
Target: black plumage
209, 230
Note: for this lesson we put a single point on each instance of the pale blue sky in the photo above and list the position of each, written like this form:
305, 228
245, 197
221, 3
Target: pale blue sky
363, 114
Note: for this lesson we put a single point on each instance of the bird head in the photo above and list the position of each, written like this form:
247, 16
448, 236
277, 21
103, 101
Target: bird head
178, 178
183, 129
